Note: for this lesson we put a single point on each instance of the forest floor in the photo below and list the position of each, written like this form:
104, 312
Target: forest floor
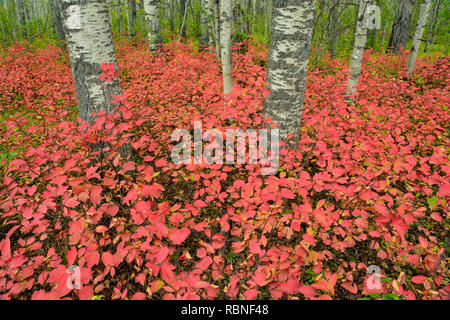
368, 185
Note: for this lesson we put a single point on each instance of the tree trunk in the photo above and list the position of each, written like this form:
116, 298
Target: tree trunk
21, 18
90, 43
183, 16
289, 50
204, 23
225, 44
133, 17
55, 7
400, 29
217, 26
334, 32
432, 23
254, 17
383, 36
154, 29
358, 47
418, 35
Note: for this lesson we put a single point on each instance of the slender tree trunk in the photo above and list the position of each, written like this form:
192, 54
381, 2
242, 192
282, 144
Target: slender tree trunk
434, 15
204, 23
90, 43
119, 18
172, 16
55, 7
289, 50
225, 44
334, 32
129, 19
21, 18
207, 24
154, 29
384, 36
210, 18
418, 35
217, 26
183, 16
254, 16
432, 42
133, 18
358, 47
400, 29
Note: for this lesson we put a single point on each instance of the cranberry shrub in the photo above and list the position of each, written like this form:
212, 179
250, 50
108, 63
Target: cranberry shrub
368, 185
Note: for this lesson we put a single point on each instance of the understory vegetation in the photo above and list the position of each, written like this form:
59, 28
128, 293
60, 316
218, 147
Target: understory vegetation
368, 184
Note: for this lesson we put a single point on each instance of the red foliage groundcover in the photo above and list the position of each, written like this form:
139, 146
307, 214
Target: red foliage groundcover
368, 185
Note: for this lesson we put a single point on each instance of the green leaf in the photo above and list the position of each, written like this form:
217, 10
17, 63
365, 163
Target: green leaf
391, 296
432, 201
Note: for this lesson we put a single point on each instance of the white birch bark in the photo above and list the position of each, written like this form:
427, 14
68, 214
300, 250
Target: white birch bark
217, 27
254, 17
289, 50
90, 43
423, 15
208, 22
203, 23
225, 44
21, 18
152, 18
358, 47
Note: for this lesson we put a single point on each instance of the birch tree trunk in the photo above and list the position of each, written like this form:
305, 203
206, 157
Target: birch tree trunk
289, 50
183, 14
21, 18
254, 17
210, 15
55, 7
400, 29
133, 15
206, 23
225, 44
423, 15
203, 23
129, 22
154, 29
431, 24
358, 47
383, 36
217, 26
334, 32
90, 43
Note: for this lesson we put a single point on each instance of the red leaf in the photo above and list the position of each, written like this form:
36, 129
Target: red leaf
138, 296
288, 194
5, 249
308, 291
295, 225
250, 294
418, 279
95, 195
350, 286
204, 263
199, 204
107, 259
179, 235
400, 226
309, 238
71, 202
71, 256
162, 254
